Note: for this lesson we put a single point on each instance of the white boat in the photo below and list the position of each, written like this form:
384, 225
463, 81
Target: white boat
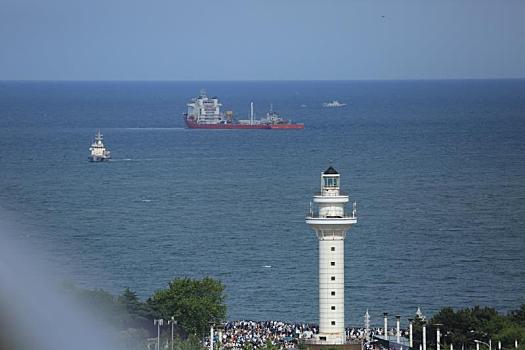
334, 104
99, 152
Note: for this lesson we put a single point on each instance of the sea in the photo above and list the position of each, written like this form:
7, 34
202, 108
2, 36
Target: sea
437, 169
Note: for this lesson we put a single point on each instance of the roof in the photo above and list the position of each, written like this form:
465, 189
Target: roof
331, 171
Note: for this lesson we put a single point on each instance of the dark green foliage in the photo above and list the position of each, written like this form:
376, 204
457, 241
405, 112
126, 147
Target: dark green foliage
129, 300
99, 303
302, 345
193, 303
417, 328
459, 327
247, 346
518, 316
139, 314
270, 346
463, 326
191, 343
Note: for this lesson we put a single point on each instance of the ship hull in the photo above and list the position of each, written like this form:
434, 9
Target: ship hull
286, 126
98, 159
192, 125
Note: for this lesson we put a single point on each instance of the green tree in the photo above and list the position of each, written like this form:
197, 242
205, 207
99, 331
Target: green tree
191, 343
463, 326
99, 303
459, 328
130, 301
518, 316
194, 303
417, 328
508, 335
138, 314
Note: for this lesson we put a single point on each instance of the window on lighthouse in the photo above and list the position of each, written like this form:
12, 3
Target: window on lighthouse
330, 181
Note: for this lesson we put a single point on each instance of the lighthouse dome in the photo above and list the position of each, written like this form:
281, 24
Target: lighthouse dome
330, 171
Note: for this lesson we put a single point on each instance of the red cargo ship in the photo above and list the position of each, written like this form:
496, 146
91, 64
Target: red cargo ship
204, 113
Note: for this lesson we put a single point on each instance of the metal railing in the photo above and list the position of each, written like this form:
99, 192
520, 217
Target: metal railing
317, 216
328, 194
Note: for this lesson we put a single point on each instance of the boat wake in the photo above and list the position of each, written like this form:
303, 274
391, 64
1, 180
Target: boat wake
148, 129
144, 200
130, 159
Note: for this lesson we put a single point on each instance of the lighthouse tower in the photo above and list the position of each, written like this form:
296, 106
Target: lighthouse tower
331, 223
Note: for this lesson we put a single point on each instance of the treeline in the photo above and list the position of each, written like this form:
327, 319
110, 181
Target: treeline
462, 327
193, 303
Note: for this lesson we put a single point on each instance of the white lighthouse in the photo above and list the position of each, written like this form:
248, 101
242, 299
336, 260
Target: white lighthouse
331, 223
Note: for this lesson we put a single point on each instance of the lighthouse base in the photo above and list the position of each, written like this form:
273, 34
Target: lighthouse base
314, 344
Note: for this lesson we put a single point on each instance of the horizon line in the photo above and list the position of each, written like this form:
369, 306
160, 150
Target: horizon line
251, 80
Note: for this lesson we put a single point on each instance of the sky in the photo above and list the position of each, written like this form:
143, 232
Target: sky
261, 39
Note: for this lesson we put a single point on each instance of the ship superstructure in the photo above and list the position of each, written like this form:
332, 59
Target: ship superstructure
204, 113
99, 152
205, 110
334, 104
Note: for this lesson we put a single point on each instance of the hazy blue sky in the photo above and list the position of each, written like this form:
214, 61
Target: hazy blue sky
261, 39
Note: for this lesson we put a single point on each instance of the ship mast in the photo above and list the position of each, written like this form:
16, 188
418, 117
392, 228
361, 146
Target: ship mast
251, 113
98, 137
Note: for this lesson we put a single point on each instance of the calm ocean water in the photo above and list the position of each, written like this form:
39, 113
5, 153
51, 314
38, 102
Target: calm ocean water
437, 169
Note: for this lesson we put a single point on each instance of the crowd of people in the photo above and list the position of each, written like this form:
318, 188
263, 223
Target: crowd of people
252, 334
